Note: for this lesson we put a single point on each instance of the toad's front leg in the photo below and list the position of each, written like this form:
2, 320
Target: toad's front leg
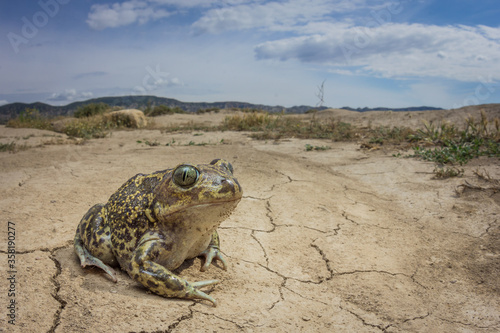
213, 252
159, 279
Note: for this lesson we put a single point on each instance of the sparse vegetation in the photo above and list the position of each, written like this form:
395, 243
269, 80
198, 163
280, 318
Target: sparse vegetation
189, 126
453, 146
30, 118
91, 127
248, 122
311, 148
91, 109
207, 110
160, 110
7, 146
12, 147
384, 134
280, 126
152, 143
434, 134
90, 123
171, 143
441, 172
446, 144
485, 177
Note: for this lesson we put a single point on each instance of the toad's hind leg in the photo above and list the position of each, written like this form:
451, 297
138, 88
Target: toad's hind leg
158, 278
92, 241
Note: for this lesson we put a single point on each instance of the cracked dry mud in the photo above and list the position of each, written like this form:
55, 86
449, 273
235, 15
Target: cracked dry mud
343, 240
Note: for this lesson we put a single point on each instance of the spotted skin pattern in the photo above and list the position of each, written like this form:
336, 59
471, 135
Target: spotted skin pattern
154, 222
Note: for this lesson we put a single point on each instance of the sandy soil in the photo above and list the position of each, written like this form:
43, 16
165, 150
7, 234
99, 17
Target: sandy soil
343, 240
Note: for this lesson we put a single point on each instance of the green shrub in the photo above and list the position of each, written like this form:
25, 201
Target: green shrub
447, 172
12, 147
87, 128
453, 146
311, 148
385, 134
433, 133
202, 111
247, 122
91, 109
30, 118
8, 146
160, 110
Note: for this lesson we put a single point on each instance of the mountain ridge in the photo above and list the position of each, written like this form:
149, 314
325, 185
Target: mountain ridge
12, 110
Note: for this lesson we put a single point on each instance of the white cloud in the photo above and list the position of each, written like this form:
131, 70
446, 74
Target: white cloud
120, 14
155, 79
3, 102
226, 15
273, 15
396, 50
200, 3
491, 33
69, 95
87, 94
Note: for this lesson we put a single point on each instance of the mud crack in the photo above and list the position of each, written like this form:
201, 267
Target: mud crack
345, 215
241, 328
269, 212
326, 260
261, 246
372, 194
280, 290
172, 326
304, 297
188, 316
271, 220
417, 318
43, 249
468, 325
490, 226
284, 175
365, 323
382, 327
55, 294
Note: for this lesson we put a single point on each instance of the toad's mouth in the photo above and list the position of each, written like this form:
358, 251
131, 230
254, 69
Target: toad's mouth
169, 211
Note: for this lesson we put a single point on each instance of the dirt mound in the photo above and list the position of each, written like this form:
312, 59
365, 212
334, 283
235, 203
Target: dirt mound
130, 117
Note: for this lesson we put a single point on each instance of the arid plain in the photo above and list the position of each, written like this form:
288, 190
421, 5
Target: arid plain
347, 239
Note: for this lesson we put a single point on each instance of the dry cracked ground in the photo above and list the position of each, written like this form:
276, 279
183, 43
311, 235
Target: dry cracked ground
342, 240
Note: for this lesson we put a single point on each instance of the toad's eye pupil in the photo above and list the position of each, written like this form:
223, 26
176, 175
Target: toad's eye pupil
186, 175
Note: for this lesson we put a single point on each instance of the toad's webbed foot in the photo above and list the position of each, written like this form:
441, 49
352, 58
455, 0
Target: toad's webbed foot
86, 259
210, 254
213, 252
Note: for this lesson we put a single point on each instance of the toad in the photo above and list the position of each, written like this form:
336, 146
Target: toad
154, 222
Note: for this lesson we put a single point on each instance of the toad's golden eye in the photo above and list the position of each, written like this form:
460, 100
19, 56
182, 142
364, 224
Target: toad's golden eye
185, 175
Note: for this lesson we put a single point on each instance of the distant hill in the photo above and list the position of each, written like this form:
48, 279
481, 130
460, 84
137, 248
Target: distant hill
9, 111
416, 108
12, 110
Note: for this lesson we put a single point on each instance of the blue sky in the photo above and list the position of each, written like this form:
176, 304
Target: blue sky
371, 53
